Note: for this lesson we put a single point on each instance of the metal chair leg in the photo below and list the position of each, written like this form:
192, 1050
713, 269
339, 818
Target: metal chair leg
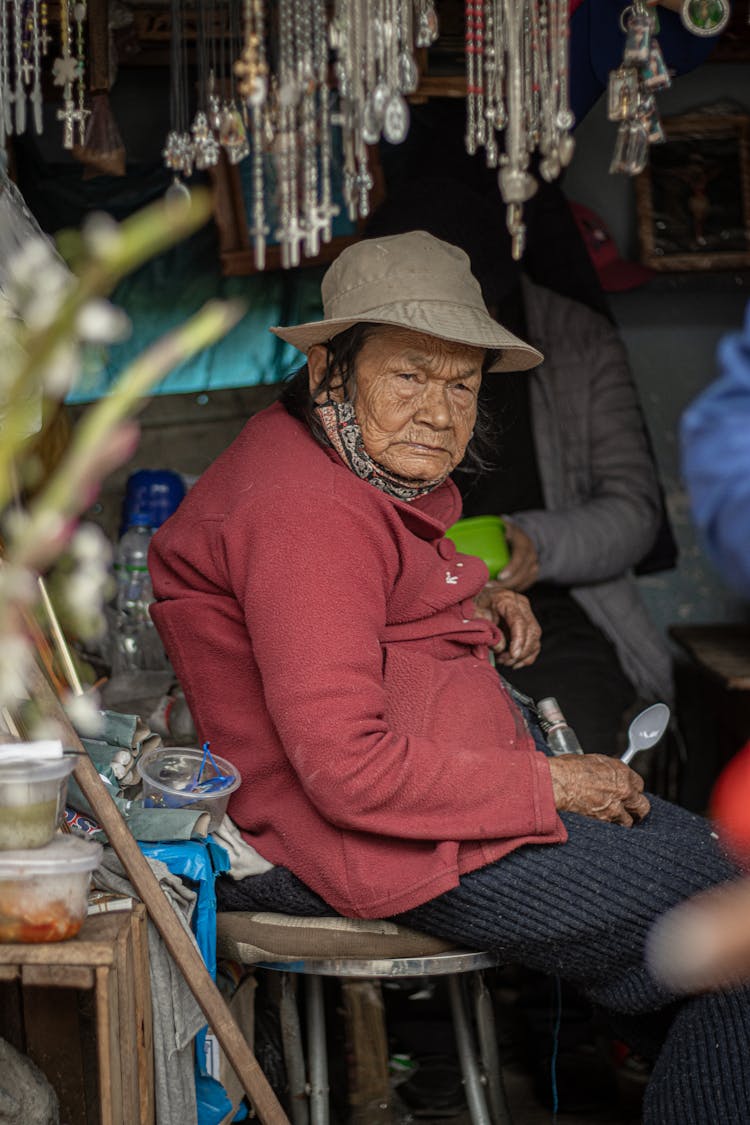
294, 1055
488, 1052
475, 1098
317, 1053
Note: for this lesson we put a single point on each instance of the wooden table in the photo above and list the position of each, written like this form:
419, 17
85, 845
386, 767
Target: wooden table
50, 993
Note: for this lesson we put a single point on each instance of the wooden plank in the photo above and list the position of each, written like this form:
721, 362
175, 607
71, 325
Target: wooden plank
93, 945
143, 1015
125, 1031
10, 972
58, 976
107, 1050
370, 1097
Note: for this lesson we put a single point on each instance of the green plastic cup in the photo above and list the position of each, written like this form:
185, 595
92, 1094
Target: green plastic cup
483, 536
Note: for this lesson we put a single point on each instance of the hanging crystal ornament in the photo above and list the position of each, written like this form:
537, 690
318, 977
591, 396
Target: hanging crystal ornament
427, 23
205, 144
178, 146
232, 131
631, 88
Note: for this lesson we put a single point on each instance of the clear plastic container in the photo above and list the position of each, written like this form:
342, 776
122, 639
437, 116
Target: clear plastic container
32, 795
170, 781
44, 891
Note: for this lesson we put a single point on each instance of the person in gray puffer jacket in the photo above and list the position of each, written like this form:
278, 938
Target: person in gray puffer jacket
600, 511
572, 475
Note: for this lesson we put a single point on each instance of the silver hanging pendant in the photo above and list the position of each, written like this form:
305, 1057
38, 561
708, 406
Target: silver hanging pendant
177, 192
395, 120
232, 134
705, 17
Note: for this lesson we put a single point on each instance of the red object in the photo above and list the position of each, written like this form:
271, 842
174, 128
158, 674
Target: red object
730, 804
615, 273
380, 756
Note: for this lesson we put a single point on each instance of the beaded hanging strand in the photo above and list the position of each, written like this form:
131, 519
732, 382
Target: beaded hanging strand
79, 14
6, 122
289, 232
19, 97
327, 210
252, 86
64, 72
36, 57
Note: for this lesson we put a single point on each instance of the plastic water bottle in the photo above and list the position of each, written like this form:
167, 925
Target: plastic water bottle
135, 640
561, 738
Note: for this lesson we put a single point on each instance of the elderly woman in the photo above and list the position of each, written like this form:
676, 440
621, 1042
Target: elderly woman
334, 646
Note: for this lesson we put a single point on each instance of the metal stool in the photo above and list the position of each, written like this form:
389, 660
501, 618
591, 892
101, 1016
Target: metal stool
361, 953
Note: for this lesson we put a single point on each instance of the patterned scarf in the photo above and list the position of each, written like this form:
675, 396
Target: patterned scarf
342, 430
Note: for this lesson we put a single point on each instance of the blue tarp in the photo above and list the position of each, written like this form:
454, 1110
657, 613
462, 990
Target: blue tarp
165, 292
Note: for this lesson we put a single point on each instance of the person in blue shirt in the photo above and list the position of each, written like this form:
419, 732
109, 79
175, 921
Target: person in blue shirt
715, 434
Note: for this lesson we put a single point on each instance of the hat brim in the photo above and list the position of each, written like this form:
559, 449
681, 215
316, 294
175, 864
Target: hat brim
460, 324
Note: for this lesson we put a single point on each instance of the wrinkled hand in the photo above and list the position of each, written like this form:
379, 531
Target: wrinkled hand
512, 614
522, 569
597, 786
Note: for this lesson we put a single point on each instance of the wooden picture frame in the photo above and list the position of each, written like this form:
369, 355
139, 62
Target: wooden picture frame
693, 199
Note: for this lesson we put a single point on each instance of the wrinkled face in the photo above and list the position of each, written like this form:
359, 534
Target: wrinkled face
415, 400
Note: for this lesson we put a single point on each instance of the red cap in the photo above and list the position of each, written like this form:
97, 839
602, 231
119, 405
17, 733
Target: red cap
615, 273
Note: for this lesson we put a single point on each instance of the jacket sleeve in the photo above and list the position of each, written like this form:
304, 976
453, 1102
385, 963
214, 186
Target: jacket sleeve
314, 580
716, 461
612, 527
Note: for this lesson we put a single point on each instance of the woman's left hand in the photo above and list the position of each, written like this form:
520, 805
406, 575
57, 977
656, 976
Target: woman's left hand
512, 614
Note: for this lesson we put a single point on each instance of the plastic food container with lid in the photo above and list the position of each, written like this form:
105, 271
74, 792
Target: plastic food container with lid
44, 891
178, 777
32, 795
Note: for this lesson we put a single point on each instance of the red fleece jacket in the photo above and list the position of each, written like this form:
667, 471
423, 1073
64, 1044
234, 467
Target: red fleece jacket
324, 635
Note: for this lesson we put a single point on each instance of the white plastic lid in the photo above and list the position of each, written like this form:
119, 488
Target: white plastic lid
32, 751
34, 770
65, 855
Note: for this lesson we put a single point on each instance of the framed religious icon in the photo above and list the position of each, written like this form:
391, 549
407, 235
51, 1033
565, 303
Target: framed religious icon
693, 199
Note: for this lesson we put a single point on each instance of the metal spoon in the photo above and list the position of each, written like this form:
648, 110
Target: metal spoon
646, 729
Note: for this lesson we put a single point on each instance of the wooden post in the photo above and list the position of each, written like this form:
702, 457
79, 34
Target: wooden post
148, 889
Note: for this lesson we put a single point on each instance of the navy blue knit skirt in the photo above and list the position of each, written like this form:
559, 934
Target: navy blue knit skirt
581, 910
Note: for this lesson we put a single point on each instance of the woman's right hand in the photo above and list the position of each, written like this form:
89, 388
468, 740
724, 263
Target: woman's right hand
597, 786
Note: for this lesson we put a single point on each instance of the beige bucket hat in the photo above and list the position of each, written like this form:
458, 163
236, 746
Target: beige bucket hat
414, 281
